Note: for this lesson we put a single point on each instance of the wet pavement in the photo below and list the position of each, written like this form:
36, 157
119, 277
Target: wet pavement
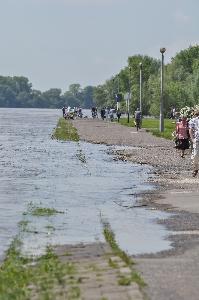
81, 181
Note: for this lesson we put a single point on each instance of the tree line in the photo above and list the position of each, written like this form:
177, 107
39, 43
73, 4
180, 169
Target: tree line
17, 91
181, 87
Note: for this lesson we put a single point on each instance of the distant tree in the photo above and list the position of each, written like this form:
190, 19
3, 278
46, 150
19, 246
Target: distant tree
100, 96
75, 89
53, 97
7, 96
187, 59
70, 100
87, 97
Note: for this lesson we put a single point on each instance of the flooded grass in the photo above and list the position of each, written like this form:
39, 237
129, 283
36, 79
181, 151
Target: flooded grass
110, 238
65, 131
42, 211
48, 277
23, 225
123, 280
39, 212
50, 227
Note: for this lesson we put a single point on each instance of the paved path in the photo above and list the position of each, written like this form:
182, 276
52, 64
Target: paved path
98, 272
181, 200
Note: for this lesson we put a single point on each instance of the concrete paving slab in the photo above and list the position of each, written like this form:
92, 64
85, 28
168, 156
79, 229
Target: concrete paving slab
181, 200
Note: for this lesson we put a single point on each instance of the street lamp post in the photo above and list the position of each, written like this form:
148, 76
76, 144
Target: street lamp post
118, 91
129, 94
162, 51
140, 64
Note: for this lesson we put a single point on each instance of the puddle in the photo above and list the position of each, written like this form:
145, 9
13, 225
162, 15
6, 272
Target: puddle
78, 179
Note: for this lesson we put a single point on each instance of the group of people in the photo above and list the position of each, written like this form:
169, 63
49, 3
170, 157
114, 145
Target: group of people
71, 113
187, 135
110, 113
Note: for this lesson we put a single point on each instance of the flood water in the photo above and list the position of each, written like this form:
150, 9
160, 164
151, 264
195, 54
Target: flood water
80, 180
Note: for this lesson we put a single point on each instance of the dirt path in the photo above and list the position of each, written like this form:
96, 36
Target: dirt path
171, 274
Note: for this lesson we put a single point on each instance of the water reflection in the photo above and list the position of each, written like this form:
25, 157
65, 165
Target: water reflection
79, 179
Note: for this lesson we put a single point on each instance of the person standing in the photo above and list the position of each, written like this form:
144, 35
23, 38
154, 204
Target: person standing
63, 110
103, 113
194, 136
118, 115
182, 134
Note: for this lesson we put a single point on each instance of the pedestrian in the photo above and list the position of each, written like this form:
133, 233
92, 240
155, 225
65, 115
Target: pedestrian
106, 113
194, 136
103, 113
63, 110
172, 112
138, 118
118, 115
182, 135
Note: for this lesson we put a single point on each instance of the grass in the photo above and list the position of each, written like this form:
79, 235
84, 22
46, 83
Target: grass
14, 277
22, 278
23, 225
39, 212
50, 227
134, 277
110, 238
42, 211
123, 280
65, 131
113, 264
152, 125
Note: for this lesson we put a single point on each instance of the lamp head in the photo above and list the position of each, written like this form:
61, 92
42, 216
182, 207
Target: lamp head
162, 50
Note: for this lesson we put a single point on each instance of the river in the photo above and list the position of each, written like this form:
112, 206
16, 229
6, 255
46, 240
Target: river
81, 181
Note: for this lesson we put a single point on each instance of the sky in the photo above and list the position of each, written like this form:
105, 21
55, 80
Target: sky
55, 43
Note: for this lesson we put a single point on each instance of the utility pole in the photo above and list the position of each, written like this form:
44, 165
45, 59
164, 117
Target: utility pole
162, 51
140, 64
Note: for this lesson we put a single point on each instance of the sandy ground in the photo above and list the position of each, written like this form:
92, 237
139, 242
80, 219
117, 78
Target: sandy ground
172, 274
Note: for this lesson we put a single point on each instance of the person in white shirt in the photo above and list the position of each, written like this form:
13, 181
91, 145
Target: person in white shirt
194, 136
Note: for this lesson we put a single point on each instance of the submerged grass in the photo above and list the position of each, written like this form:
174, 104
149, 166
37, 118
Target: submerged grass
23, 225
40, 211
123, 280
110, 238
65, 131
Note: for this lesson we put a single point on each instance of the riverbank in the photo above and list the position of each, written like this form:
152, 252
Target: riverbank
166, 272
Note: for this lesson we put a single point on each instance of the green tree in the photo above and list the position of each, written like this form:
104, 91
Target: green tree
53, 97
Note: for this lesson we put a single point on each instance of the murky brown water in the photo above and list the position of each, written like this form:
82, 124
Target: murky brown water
80, 180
